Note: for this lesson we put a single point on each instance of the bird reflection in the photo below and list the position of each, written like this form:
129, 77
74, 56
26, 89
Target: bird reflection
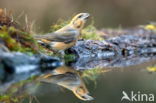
68, 78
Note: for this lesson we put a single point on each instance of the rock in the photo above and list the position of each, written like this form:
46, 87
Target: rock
16, 66
120, 51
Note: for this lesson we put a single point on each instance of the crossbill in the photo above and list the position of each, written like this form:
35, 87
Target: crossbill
67, 36
68, 78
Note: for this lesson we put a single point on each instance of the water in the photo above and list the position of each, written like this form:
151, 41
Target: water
103, 80
106, 87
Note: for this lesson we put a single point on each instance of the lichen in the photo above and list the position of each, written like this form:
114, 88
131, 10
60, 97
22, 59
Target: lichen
151, 69
151, 26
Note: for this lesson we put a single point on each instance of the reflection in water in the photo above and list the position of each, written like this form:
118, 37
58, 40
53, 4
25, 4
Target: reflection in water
68, 78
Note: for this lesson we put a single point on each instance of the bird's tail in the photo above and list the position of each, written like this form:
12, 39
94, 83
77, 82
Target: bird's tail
38, 36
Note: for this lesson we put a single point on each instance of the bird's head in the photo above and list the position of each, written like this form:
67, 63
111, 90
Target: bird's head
79, 20
82, 93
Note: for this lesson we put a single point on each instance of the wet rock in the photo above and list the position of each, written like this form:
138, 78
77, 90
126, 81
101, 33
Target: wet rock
120, 51
16, 66
95, 49
3, 48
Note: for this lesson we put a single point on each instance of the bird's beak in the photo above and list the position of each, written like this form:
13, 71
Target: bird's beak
87, 97
86, 16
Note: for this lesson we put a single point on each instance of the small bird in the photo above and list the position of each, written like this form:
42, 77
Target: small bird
67, 36
68, 78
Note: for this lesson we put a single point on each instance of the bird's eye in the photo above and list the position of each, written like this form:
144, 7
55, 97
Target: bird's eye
83, 97
80, 16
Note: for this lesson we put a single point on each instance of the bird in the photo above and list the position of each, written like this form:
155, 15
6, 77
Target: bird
68, 78
67, 36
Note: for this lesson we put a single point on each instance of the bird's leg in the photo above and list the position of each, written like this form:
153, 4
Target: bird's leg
61, 52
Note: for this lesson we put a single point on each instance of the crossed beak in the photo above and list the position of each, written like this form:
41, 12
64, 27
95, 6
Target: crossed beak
87, 97
86, 16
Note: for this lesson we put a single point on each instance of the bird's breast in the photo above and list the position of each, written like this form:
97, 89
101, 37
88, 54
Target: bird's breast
62, 45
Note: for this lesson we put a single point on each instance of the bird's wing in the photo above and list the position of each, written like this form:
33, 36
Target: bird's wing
67, 78
65, 37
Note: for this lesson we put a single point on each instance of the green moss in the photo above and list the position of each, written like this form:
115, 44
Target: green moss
17, 40
7, 98
17, 92
90, 32
59, 24
94, 73
69, 58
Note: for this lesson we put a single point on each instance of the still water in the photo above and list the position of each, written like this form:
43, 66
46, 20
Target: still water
105, 86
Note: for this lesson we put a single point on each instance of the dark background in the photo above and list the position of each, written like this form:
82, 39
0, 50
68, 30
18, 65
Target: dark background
106, 13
